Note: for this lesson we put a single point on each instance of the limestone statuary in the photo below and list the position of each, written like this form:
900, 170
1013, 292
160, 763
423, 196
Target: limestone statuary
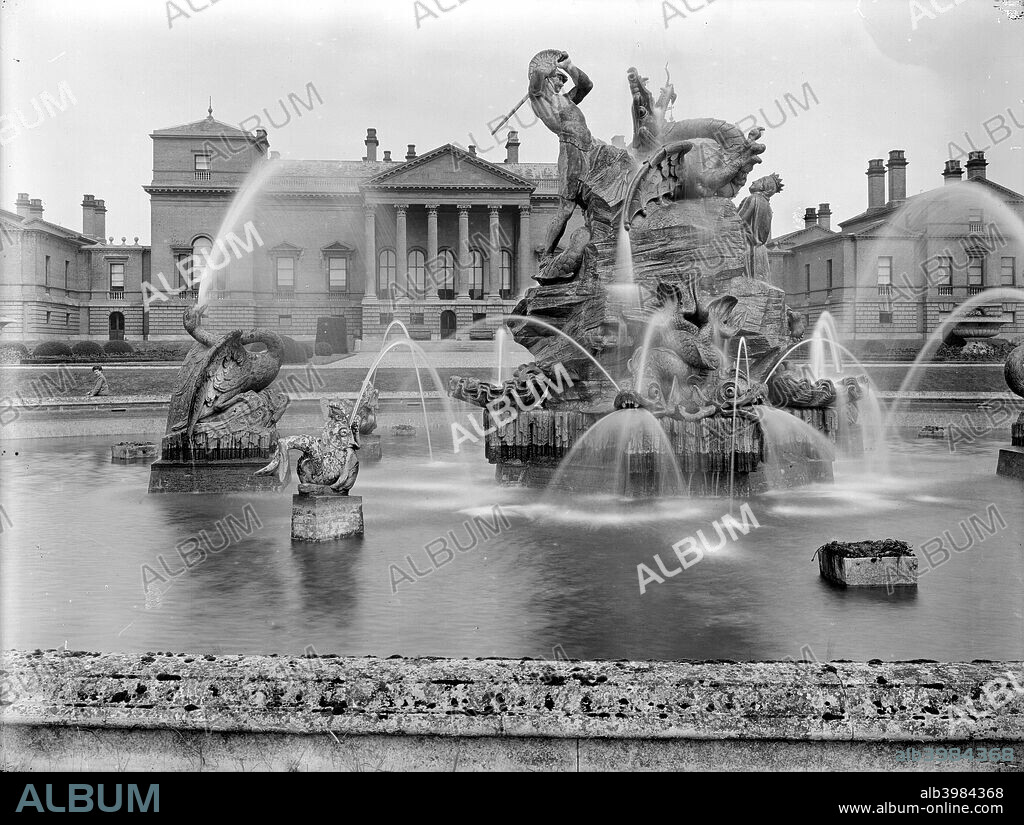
223, 413
1011, 459
323, 509
756, 211
368, 406
663, 301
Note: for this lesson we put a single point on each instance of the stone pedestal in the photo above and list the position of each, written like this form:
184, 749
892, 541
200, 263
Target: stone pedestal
131, 450
866, 571
225, 476
369, 448
326, 516
1011, 462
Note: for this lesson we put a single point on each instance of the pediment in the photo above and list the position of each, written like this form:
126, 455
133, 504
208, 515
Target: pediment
448, 167
10, 224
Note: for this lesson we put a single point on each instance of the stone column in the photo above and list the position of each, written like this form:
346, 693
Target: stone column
401, 250
462, 271
432, 284
525, 268
493, 283
370, 256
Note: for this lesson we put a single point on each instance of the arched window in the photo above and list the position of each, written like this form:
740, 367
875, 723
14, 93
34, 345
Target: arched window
417, 272
202, 252
506, 274
387, 269
446, 275
476, 275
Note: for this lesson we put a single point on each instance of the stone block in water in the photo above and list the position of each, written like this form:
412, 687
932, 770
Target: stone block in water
129, 450
224, 476
326, 516
885, 563
1011, 462
369, 448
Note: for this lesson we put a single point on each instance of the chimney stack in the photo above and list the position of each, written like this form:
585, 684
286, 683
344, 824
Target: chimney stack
810, 217
411, 152
512, 148
976, 164
472, 149
387, 156
952, 173
100, 219
35, 208
371, 144
825, 216
876, 183
897, 177
88, 215
22, 204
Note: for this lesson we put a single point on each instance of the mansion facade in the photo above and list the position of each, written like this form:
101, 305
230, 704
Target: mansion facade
439, 241
445, 242
898, 270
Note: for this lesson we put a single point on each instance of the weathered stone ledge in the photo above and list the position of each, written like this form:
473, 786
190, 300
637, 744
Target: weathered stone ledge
894, 702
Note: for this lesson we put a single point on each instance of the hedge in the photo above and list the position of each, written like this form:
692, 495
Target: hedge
294, 351
118, 348
88, 349
52, 348
12, 353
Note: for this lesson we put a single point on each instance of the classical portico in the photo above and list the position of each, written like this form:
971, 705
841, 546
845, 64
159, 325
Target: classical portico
451, 244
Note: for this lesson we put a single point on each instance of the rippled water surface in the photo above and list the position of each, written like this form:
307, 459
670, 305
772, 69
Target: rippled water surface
80, 532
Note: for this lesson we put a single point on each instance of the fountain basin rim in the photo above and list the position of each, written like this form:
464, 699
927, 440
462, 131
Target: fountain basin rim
720, 700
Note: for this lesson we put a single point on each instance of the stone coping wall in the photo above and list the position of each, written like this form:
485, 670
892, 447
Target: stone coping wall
918, 701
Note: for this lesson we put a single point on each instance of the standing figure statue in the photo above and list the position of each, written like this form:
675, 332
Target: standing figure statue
756, 212
562, 115
329, 462
592, 175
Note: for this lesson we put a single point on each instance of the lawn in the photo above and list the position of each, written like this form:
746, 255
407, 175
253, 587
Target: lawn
75, 381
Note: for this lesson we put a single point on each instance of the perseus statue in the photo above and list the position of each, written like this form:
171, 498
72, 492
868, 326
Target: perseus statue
592, 175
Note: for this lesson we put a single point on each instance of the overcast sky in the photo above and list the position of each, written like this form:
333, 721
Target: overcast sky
886, 74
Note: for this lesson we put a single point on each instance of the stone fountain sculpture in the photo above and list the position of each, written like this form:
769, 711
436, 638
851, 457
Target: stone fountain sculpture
1011, 459
368, 405
655, 291
323, 509
223, 413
